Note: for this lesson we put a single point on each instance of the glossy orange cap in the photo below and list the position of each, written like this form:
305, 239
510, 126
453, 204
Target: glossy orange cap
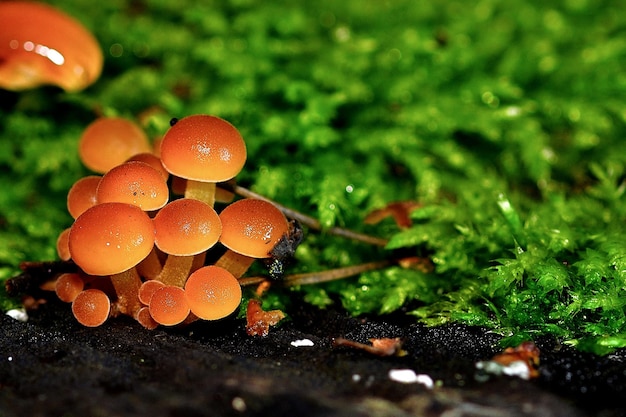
252, 227
82, 195
203, 148
136, 183
186, 227
212, 293
42, 45
109, 141
110, 238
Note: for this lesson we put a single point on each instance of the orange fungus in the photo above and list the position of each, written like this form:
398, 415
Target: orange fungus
110, 238
40, 45
212, 293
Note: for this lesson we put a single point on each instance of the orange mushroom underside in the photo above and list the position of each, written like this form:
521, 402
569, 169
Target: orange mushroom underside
40, 45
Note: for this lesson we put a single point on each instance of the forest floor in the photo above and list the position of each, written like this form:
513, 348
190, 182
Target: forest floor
52, 366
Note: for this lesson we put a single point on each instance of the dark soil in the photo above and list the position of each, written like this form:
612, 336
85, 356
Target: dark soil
52, 366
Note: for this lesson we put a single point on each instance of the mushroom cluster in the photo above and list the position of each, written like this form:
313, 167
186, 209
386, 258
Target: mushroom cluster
145, 221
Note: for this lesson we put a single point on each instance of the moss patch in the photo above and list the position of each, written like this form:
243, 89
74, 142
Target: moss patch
505, 121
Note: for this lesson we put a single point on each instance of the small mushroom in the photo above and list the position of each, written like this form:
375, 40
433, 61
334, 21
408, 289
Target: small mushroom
109, 141
250, 230
147, 290
153, 160
168, 305
40, 45
144, 318
212, 293
91, 307
82, 195
111, 239
185, 229
204, 150
134, 182
63, 245
68, 286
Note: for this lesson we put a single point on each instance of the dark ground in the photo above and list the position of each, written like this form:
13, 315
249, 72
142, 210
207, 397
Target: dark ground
52, 366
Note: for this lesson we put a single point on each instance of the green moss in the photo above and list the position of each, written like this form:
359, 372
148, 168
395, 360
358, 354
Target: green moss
505, 120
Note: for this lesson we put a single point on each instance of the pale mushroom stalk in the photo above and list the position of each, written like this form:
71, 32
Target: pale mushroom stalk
126, 286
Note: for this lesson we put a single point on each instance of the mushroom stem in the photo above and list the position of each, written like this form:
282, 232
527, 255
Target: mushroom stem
203, 191
235, 263
308, 221
126, 286
176, 270
321, 276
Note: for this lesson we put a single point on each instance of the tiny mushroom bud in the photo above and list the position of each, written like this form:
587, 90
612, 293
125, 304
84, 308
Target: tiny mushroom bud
168, 305
109, 141
184, 228
147, 290
111, 239
144, 318
250, 229
204, 150
41, 45
82, 195
212, 293
68, 286
91, 307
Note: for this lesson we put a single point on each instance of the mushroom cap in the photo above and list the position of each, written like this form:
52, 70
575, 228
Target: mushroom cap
147, 289
168, 305
68, 286
109, 141
91, 307
186, 227
110, 238
82, 195
152, 160
136, 183
252, 227
203, 148
41, 45
63, 245
212, 292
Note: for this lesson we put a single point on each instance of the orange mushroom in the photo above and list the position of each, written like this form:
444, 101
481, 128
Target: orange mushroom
250, 230
91, 307
136, 183
147, 290
184, 228
63, 245
41, 45
82, 195
144, 318
204, 150
168, 305
68, 286
111, 239
153, 160
212, 293
109, 141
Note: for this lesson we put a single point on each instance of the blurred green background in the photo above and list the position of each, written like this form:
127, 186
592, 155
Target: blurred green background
505, 120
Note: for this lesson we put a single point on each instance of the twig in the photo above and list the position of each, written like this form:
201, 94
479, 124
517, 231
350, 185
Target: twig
320, 276
308, 221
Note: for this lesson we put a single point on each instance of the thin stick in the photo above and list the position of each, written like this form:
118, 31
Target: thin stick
320, 276
308, 221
